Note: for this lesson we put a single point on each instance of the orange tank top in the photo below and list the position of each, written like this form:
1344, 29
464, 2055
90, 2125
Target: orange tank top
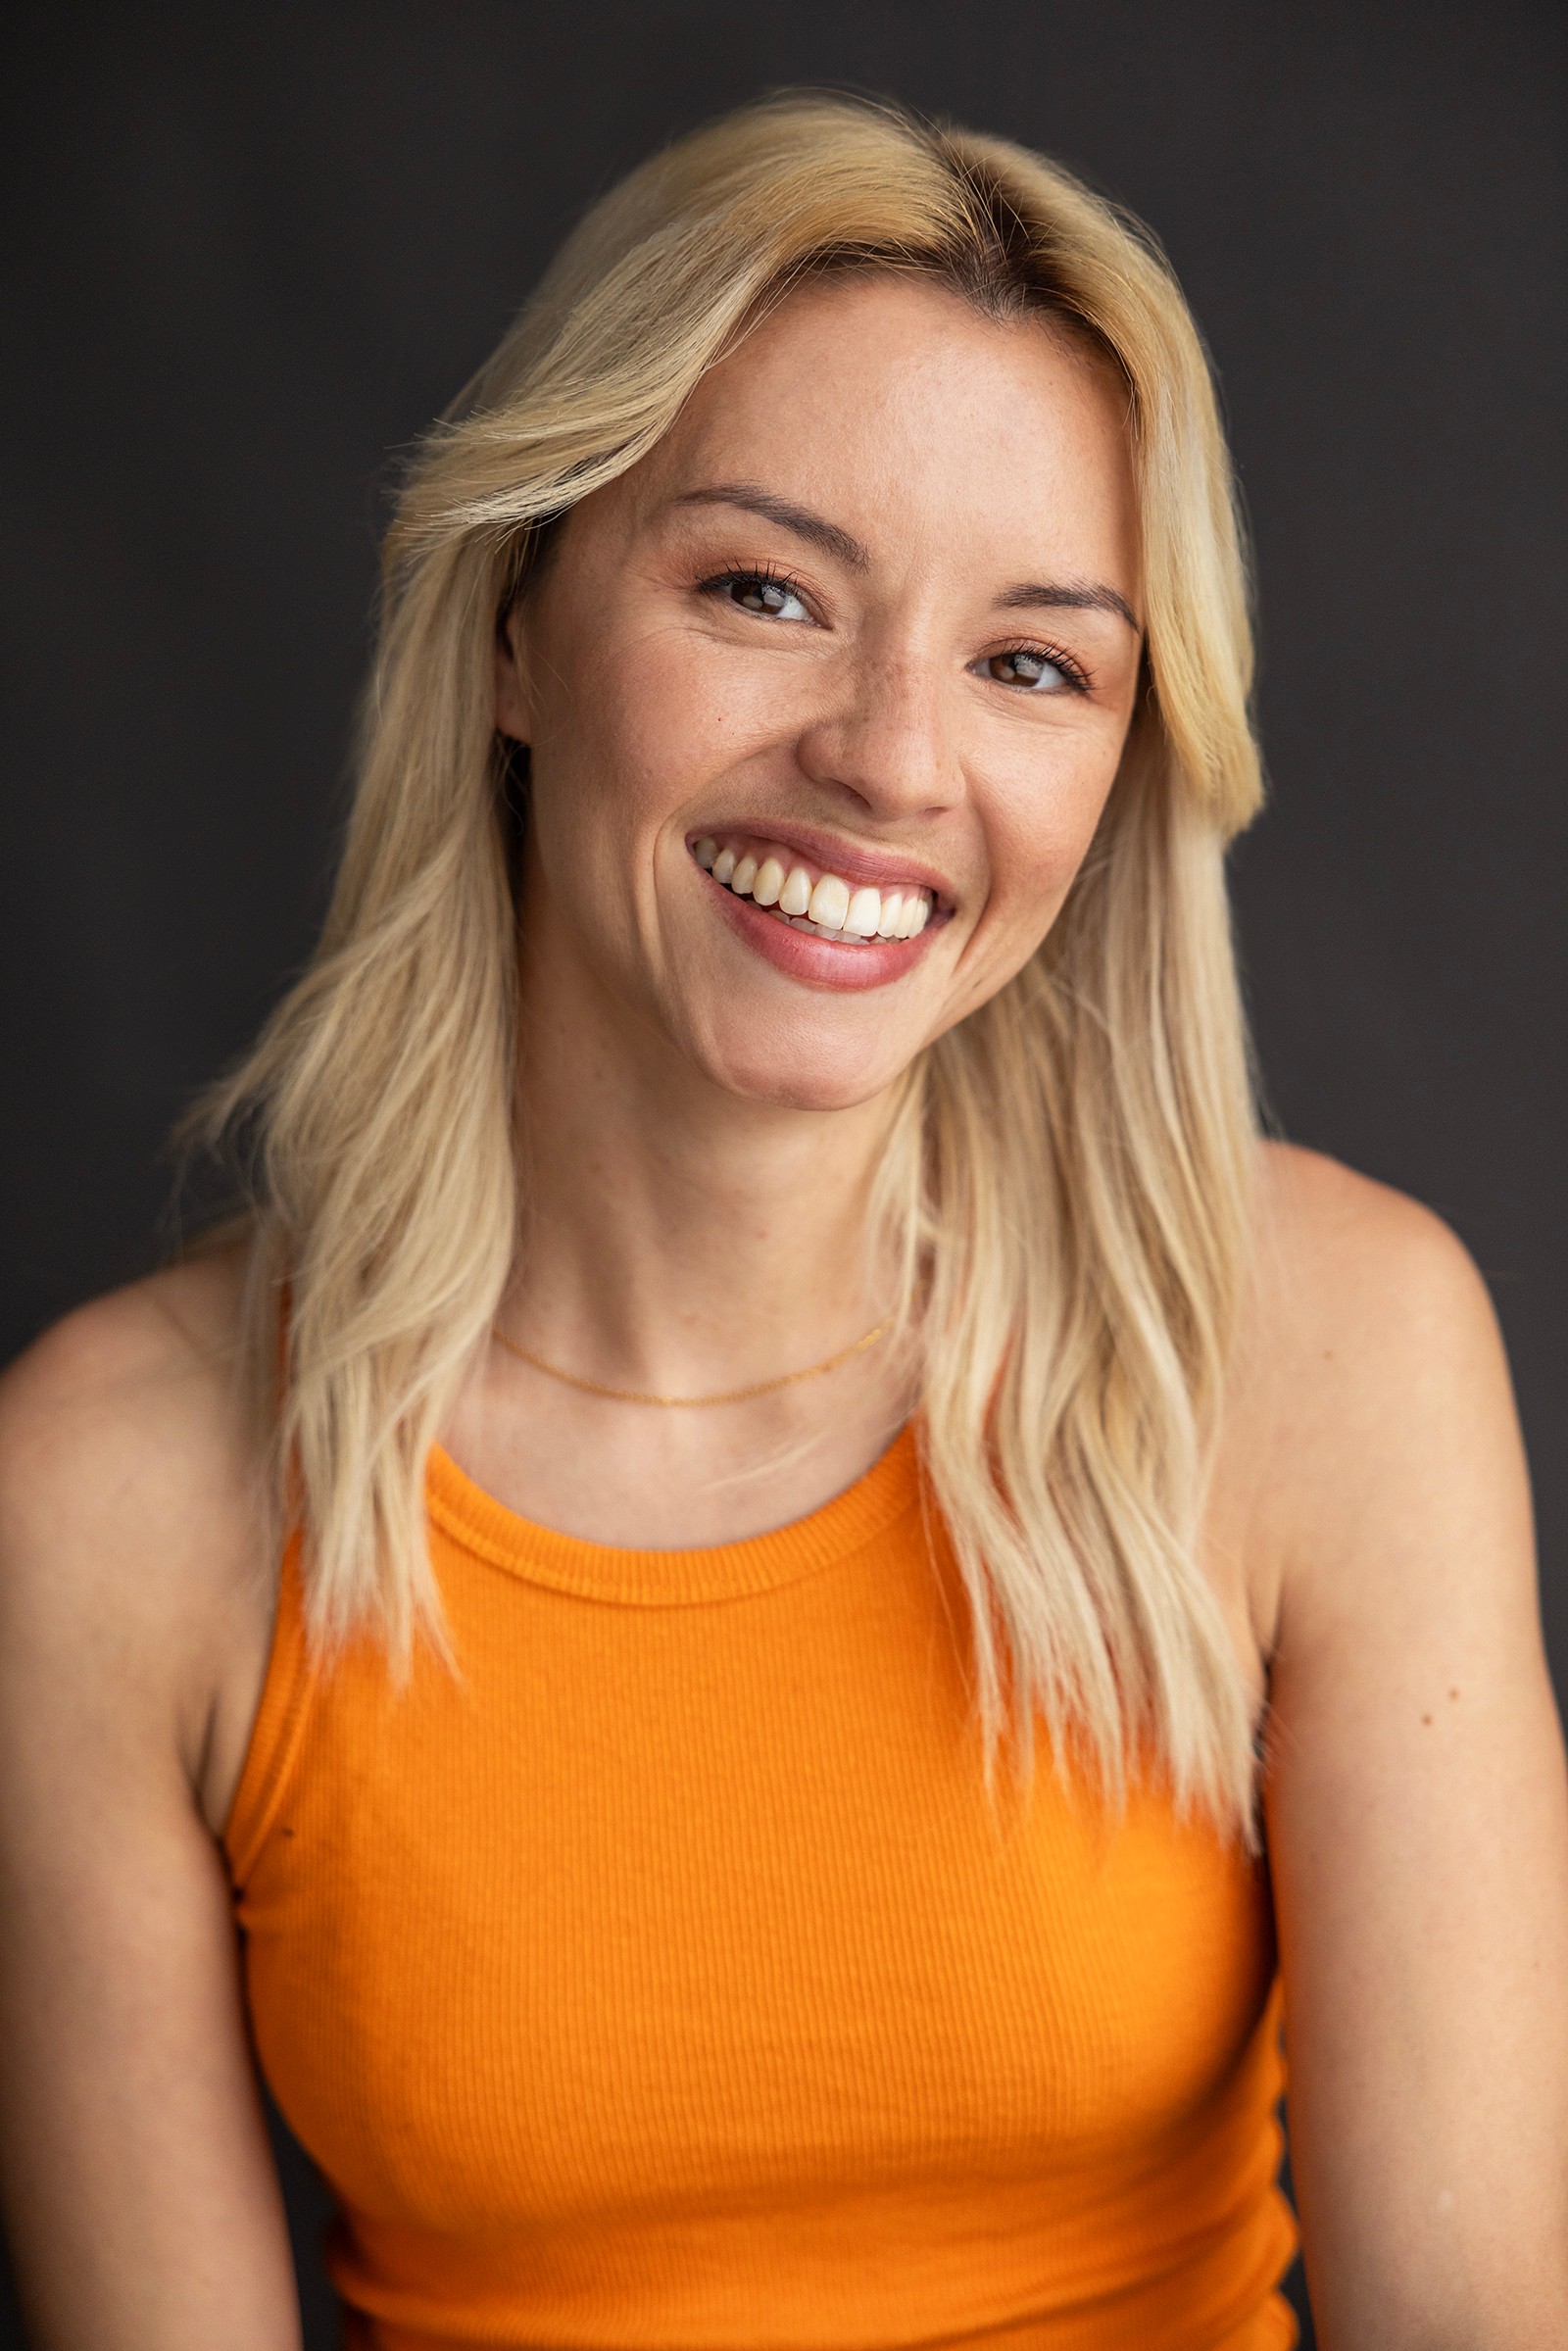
667, 1976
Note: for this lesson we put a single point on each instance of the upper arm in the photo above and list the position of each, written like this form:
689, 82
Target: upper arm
142, 2205
1417, 1812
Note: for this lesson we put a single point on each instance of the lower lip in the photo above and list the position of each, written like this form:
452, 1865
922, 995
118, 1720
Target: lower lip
820, 962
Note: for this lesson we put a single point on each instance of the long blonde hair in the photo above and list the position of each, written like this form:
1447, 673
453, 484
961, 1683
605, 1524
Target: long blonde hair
1070, 1176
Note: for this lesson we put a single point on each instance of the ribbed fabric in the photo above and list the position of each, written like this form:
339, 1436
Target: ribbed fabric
668, 1977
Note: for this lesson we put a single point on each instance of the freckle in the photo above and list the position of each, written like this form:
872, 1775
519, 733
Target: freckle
1426, 1718
1454, 1693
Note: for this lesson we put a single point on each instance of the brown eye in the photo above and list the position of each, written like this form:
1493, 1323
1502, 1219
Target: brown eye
771, 599
1021, 666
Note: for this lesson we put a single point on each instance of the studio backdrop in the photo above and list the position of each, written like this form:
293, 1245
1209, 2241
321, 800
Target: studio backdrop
253, 250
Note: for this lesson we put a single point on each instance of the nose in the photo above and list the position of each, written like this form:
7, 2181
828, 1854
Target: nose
887, 738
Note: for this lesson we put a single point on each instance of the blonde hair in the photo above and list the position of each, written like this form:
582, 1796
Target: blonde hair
1070, 1176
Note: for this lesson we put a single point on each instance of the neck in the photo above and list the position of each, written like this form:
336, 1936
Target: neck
676, 1239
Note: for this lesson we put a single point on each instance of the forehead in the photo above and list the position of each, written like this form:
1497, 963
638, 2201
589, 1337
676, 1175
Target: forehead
892, 404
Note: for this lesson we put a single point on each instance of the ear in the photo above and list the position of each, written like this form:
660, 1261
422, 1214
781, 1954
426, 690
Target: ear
512, 700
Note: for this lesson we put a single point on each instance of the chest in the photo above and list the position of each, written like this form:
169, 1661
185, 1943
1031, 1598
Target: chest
716, 1895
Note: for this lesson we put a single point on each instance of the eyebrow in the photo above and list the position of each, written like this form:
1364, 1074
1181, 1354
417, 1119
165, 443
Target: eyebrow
1073, 596
799, 518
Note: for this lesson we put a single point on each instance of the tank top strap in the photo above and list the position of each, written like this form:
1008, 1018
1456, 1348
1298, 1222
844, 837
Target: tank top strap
279, 1722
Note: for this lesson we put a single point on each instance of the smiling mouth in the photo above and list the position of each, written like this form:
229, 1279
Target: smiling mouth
815, 900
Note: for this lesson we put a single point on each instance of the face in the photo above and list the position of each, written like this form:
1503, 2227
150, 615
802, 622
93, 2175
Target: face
825, 696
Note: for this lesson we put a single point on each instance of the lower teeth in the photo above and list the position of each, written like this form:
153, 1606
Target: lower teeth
815, 930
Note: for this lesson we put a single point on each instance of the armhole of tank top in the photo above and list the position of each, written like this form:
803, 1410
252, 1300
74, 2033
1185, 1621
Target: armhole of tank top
280, 1723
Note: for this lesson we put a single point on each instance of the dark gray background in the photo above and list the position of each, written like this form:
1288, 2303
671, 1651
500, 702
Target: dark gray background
250, 251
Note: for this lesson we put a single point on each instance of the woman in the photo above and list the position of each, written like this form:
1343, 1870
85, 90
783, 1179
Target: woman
810, 1442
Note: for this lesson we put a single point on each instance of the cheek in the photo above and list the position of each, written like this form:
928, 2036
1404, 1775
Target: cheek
627, 744
1040, 826
638, 731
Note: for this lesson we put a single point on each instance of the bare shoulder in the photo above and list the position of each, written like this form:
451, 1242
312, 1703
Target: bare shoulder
1360, 1294
126, 1411
133, 1561
1372, 1387
135, 1627
1416, 1799
1342, 1256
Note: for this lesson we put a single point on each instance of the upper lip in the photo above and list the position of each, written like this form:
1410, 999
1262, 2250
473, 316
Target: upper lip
873, 868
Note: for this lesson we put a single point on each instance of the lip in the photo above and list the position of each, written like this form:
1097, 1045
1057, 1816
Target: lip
871, 868
819, 962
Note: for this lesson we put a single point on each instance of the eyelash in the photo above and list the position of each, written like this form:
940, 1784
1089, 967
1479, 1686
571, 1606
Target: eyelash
769, 575
1077, 677
759, 575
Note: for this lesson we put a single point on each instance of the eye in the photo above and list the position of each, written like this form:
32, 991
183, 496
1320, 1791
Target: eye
1027, 668
769, 594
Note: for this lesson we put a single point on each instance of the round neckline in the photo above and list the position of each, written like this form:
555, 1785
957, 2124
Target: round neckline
678, 1578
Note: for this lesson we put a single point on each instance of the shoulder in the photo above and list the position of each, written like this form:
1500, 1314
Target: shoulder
1356, 1286
1349, 1254
129, 1408
132, 1550
1417, 1825
1370, 1384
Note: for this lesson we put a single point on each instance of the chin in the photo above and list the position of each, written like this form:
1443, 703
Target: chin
805, 1072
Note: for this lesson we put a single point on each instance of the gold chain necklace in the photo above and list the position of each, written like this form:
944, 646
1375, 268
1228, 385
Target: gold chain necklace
731, 1396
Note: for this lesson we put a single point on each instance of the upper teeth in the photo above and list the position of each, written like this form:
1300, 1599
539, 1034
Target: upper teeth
828, 904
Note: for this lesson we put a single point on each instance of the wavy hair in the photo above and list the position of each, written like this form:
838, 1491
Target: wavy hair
1070, 1176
